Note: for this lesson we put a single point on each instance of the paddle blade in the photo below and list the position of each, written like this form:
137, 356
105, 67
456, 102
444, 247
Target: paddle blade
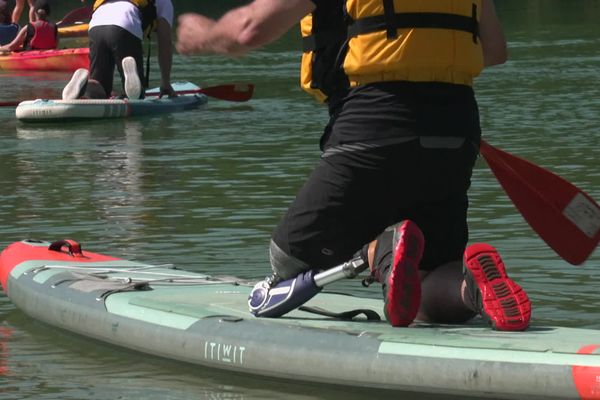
82, 14
232, 92
564, 216
9, 103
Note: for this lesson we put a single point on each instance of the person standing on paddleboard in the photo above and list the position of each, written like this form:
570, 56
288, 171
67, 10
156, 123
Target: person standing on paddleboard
116, 31
39, 34
390, 189
18, 10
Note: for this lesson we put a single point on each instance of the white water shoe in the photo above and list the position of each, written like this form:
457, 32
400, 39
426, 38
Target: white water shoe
133, 85
76, 86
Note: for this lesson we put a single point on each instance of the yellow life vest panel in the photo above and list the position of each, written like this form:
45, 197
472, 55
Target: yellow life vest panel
420, 41
390, 40
146, 7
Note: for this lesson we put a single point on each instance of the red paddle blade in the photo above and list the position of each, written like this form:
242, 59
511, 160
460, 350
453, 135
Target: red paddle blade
564, 216
232, 92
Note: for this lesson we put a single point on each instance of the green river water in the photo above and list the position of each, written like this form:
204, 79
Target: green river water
203, 190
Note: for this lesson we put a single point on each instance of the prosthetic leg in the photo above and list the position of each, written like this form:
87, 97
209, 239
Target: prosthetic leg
274, 298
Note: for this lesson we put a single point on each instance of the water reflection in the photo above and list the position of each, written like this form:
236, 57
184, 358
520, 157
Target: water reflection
5, 334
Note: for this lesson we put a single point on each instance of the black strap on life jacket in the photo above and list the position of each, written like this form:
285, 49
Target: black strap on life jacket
328, 41
149, 16
322, 39
389, 14
391, 21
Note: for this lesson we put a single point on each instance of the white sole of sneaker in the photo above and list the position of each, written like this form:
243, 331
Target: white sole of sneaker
133, 85
76, 85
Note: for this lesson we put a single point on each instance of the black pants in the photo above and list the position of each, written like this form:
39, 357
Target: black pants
109, 45
352, 196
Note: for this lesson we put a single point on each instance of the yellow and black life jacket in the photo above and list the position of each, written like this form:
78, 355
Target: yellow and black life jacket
148, 10
392, 40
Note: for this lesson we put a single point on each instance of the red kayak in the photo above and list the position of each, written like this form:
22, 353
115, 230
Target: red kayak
67, 60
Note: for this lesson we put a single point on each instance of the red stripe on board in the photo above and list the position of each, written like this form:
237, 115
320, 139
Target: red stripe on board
587, 379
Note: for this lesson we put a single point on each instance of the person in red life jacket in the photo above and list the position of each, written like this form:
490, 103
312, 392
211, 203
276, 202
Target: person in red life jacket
8, 29
41, 34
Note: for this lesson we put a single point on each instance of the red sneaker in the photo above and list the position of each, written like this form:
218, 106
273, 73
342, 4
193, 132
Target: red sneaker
498, 299
402, 286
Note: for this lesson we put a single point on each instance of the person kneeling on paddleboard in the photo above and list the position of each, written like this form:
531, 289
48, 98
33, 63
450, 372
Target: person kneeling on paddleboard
40, 34
116, 31
398, 152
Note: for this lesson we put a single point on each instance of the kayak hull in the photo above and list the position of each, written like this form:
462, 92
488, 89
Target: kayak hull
203, 320
67, 60
42, 110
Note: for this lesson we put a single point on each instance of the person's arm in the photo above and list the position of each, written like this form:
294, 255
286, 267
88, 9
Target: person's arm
17, 42
492, 37
165, 56
242, 29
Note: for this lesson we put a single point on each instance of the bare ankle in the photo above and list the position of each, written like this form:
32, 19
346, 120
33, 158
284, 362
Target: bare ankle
371, 254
